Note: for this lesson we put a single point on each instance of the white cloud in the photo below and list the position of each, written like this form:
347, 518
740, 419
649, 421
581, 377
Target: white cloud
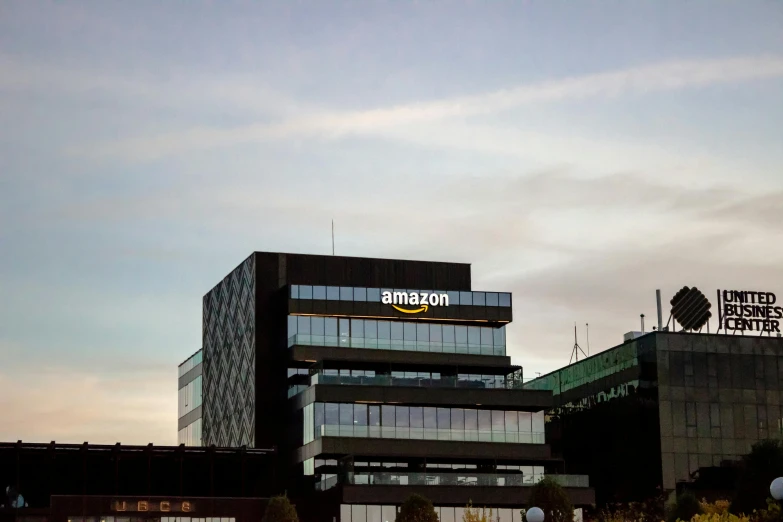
666, 76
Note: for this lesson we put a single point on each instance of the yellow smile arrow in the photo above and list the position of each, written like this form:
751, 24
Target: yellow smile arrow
403, 310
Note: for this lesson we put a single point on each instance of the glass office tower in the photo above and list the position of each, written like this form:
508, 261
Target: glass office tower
375, 379
189, 408
653, 411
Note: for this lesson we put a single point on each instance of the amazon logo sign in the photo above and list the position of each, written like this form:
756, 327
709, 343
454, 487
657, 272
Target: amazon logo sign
413, 302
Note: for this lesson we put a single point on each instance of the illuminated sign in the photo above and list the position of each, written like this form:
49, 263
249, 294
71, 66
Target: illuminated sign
741, 311
420, 300
178, 506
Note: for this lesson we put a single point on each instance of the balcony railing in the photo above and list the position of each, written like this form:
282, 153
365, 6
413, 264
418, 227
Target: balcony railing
391, 344
448, 381
462, 478
390, 432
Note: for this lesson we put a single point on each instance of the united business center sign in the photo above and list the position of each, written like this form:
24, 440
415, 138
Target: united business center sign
738, 311
745, 311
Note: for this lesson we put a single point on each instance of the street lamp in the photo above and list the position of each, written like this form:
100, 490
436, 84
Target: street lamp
535, 514
776, 488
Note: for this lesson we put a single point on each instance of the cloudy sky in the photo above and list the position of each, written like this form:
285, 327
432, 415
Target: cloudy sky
579, 154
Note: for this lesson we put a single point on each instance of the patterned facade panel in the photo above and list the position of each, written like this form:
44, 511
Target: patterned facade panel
229, 360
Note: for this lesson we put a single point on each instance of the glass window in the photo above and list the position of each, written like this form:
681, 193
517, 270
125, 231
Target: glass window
374, 514
498, 420
294, 291
396, 331
417, 417
538, 422
317, 325
453, 298
332, 413
430, 418
387, 415
374, 295
485, 420
436, 333
330, 326
423, 332
410, 331
492, 299
360, 414
512, 421
388, 513
403, 416
332, 293
461, 334
357, 328
360, 294
345, 327
479, 299
384, 330
504, 299
465, 298
444, 418
358, 513
305, 292
448, 333
370, 329
471, 420
486, 336
498, 336
291, 325
345, 513
346, 293
375, 415
457, 419
474, 335
318, 413
303, 324
319, 292
346, 414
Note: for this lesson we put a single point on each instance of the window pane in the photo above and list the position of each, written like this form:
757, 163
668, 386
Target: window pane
423, 332
318, 413
358, 513
305, 292
303, 325
319, 292
344, 327
384, 330
359, 294
346, 293
504, 299
332, 293
436, 333
374, 295
345, 513
512, 421
291, 325
485, 420
410, 331
444, 419
474, 335
330, 326
453, 298
360, 414
430, 418
471, 420
486, 336
346, 414
396, 331
448, 333
375, 415
498, 420
461, 334
538, 422
492, 299
465, 298
357, 328
317, 325
387, 415
374, 514
525, 422
417, 417
388, 513
403, 417
457, 419
498, 337
294, 291
332, 413
479, 299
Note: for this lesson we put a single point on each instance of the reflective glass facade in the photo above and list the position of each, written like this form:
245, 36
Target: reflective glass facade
424, 423
373, 295
416, 379
190, 401
417, 336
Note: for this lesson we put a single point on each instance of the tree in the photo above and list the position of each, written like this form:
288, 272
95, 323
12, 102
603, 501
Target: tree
760, 467
280, 509
550, 497
417, 509
472, 514
684, 508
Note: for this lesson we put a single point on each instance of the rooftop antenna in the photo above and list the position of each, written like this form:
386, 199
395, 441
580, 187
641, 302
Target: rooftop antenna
642, 316
333, 237
577, 349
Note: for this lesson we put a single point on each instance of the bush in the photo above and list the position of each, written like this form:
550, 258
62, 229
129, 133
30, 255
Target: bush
472, 514
280, 509
553, 501
684, 508
417, 509
761, 466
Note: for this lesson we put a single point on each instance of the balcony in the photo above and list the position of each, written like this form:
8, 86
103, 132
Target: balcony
444, 381
398, 345
462, 478
444, 434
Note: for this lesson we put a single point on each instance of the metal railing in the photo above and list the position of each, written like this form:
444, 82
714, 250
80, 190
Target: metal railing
392, 344
391, 432
445, 381
462, 478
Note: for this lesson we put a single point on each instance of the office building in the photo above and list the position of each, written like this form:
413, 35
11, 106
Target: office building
118, 483
659, 408
189, 404
375, 379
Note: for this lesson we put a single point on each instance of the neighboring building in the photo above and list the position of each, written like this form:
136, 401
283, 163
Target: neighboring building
657, 409
190, 389
375, 379
116, 483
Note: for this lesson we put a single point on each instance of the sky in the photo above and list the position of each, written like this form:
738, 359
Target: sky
578, 154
